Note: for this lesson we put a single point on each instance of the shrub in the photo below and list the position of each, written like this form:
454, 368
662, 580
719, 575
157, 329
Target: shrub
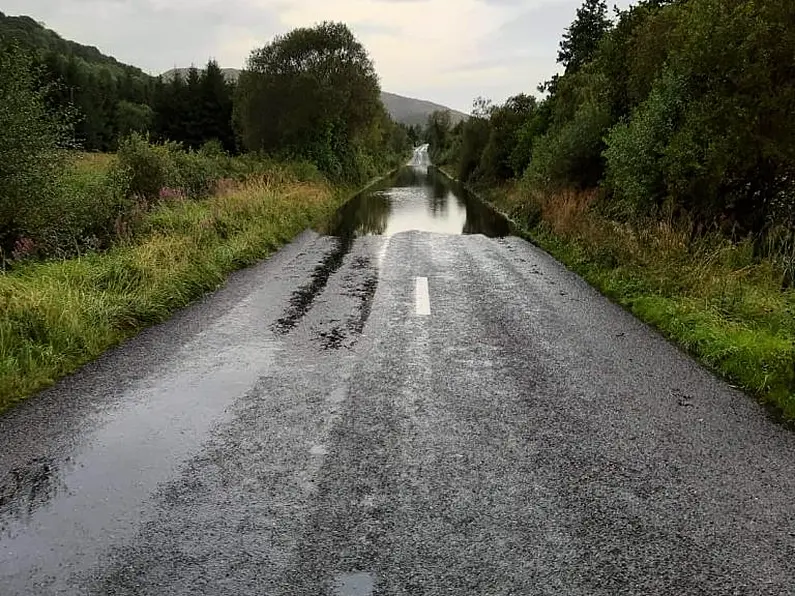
635, 150
89, 211
213, 149
194, 174
571, 155
151, 167
31, 137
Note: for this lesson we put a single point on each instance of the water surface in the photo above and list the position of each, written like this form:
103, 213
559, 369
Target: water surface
417, 197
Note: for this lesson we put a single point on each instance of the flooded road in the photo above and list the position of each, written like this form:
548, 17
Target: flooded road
412, 401
416, 198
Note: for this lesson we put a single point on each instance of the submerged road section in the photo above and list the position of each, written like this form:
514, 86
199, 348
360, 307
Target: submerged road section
407, 401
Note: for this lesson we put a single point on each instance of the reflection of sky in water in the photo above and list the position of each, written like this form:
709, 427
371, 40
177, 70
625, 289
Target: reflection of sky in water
413, 209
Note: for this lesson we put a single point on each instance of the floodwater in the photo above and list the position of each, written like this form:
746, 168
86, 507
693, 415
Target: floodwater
417, 197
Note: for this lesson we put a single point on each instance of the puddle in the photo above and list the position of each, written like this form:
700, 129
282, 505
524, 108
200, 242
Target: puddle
416, 198
354, 584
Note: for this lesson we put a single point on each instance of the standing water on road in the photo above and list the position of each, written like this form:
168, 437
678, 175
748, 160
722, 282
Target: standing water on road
417, 197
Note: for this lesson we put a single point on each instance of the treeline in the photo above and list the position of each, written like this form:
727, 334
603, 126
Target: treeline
106, 106
108, 100
195, 109
321, 92
105, 98
674, 108
310, 97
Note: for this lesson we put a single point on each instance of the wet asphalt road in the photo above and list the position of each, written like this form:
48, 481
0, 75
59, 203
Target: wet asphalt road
323, 426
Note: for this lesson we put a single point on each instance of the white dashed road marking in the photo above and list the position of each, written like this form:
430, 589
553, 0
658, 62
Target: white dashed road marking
422, 297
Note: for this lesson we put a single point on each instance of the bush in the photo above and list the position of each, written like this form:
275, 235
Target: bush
31, 137
714, 137
527, 134
90, 209
151, 167
571, 155
635, 150
304, 171
167, 169
195, 175
214, 150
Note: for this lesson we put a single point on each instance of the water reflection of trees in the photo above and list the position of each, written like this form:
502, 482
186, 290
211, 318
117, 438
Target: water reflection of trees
410, 177
482, 219
367, 213
438, 204
439, 185
438, 194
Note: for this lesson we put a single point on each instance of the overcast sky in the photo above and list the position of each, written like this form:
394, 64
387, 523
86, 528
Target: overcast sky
447, 51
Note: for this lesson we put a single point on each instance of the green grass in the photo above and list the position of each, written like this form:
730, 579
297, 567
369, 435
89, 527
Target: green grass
716, 299
57, 315
93, 162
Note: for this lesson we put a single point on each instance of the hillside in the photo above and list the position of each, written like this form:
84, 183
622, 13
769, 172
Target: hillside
31, 34
406, 110
416, 111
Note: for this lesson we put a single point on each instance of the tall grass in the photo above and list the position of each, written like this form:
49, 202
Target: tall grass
726, 302
57, 315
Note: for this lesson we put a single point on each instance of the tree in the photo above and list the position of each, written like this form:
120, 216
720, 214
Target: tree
132, 117
216, 102
714, 137
312, 93
505, 122
474, 137
438, 134
581, 39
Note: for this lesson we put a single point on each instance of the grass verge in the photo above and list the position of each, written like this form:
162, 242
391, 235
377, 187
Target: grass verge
718, 300
57, 315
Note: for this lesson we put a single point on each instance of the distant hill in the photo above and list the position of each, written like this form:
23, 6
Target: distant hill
412, 111
407, 110
34, 36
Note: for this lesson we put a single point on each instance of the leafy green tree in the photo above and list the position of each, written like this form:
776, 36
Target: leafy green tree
582, 38
535, 127
311, 93
474, 138
439, 135
632, 55
505, 122
636, 149
571, 155
132, 117
714, 136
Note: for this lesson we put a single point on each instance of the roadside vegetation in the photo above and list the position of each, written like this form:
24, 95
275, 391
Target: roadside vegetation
660, 164
95, 246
